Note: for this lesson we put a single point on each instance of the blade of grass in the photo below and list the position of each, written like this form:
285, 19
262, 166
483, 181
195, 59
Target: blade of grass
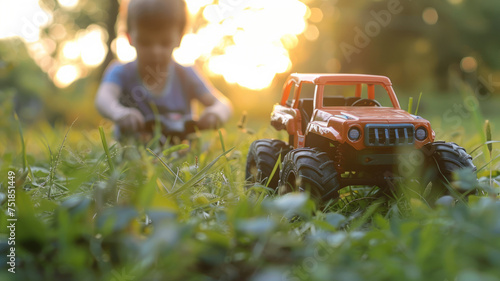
486, 165
157, 134
410, 105
164, 164
175, 148
418, 103
261, 197
472, 105
23, 149
448, 186
488, 135
490, 146
278, 163
106, 149
373, 207
96, 167
53, 168
222, 141
23, 145
201, 174
481, 145
259, 188
175, 181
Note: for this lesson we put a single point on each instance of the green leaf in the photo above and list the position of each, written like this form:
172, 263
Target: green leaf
335, 219
116, 219
106, 149
175, 148
256, 226
290, 204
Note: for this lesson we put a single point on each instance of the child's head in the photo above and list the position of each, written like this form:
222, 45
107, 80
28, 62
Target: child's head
155, 28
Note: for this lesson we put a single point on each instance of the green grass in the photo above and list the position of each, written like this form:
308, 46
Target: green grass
85, 211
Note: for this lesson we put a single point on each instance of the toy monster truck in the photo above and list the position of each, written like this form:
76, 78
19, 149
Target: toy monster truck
348, 129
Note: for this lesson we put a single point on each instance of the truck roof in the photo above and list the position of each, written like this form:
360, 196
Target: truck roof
325, 78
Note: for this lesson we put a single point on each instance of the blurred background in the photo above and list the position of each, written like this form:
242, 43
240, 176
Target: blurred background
53, 53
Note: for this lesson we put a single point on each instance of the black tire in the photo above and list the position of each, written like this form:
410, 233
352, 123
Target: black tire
310, 169
262, 157
442, 160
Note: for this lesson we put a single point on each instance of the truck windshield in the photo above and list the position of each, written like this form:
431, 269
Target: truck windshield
345, 95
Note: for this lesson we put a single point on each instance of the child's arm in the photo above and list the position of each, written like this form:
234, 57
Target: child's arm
108, 104
217, 111
218, 108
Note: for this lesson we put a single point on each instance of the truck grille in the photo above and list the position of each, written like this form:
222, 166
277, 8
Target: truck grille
389, 134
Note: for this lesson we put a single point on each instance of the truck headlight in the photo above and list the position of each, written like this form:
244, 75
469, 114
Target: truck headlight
354, 134
421, 134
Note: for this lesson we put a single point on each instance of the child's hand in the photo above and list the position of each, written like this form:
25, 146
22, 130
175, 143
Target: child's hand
209, 121
131, 121
145, 137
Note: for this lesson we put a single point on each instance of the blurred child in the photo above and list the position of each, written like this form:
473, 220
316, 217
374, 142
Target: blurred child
131, 93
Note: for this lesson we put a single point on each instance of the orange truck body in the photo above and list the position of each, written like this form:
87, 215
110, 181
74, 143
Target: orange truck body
388, 126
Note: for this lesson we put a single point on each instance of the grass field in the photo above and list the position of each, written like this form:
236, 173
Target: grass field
88, 208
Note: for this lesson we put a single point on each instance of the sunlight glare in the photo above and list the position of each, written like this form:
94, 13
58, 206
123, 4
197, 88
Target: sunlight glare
468, 64
69, 4
249, 67
189, 50
92, 47
66, 75
124, 51
247, 42
312, 32
23, 18
430, 16
316, 15
71, 50
194, 6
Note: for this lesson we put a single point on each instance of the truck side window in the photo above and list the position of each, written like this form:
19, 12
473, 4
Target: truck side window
307, 91
290, 96
335, 95
382, 96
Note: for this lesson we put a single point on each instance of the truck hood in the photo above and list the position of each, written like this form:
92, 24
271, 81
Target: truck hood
376, 114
